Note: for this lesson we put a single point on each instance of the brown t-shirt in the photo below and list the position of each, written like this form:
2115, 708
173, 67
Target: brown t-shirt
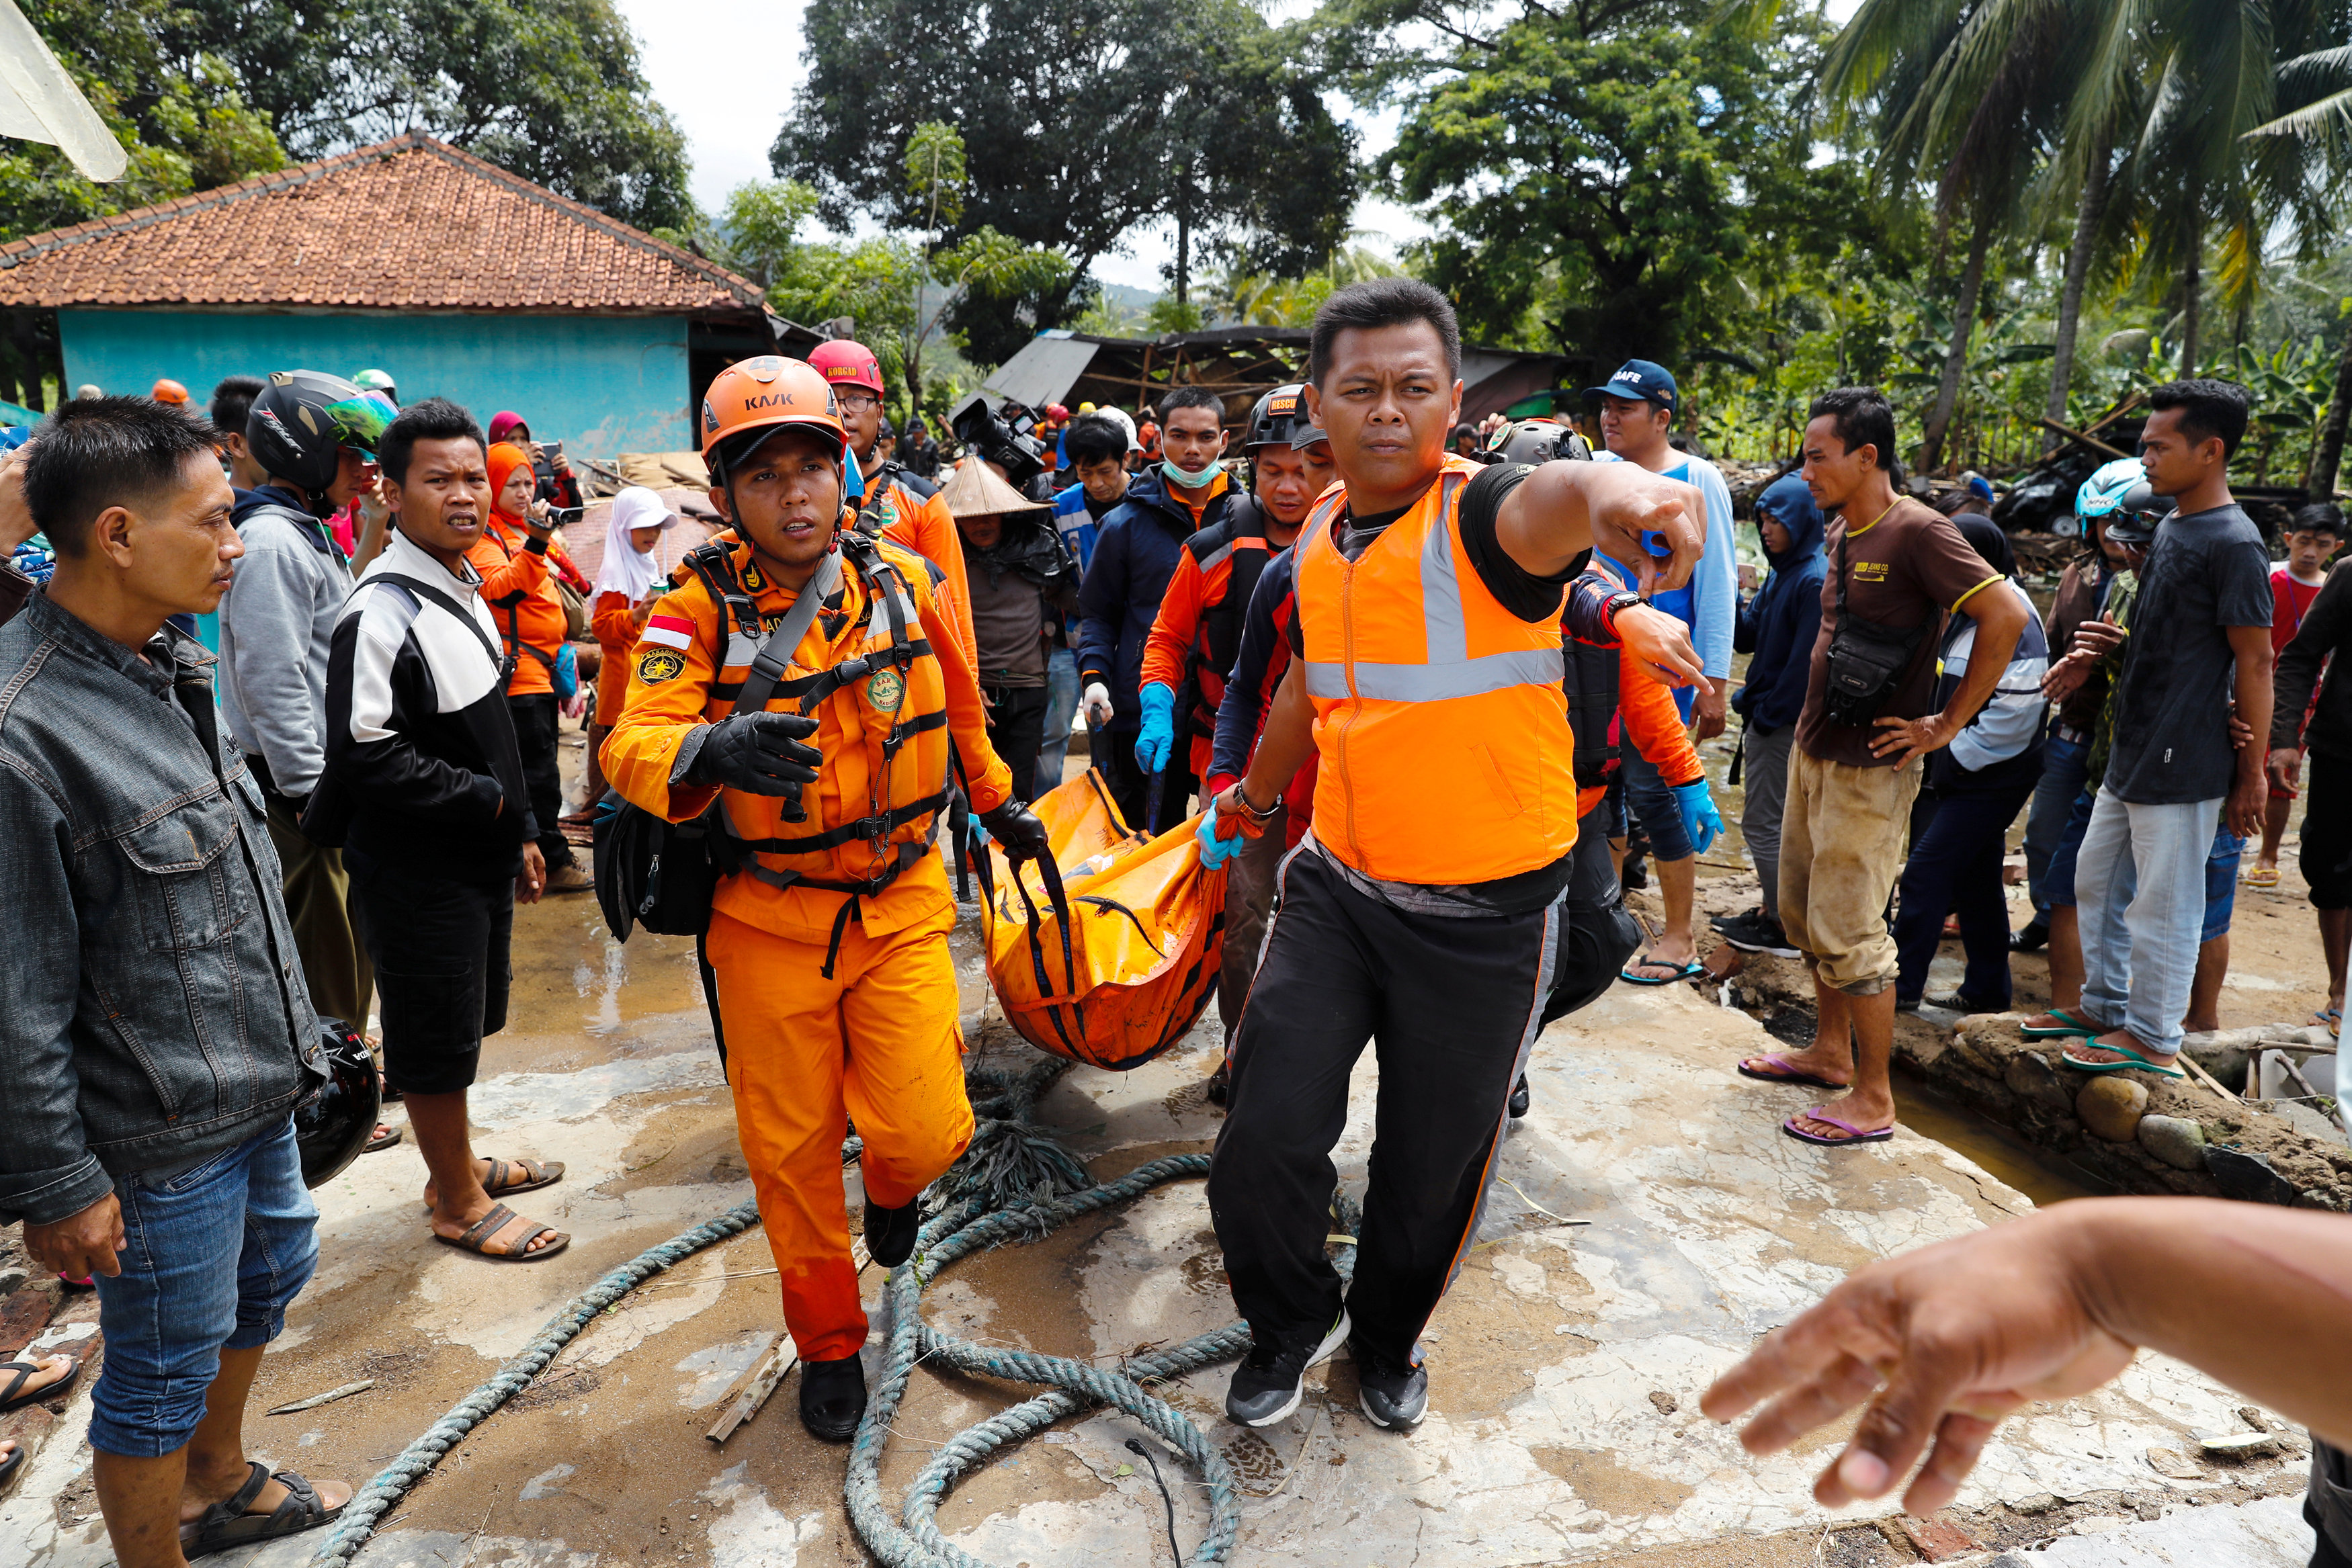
1904, 570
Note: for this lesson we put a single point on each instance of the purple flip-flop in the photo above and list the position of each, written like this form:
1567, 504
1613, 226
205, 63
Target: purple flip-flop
1819, 1115
1787, 1075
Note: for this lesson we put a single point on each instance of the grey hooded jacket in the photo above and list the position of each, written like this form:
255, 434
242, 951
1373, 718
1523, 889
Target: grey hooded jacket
152, 1009
277, 623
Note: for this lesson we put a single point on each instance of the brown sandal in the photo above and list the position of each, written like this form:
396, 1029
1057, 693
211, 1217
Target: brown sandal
502, 1181
476, 1238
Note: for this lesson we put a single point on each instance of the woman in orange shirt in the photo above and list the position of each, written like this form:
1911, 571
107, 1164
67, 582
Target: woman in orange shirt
626, 585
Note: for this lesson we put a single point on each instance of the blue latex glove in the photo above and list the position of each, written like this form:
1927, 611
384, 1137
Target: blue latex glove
1701, 821
1214, 851
1157, 738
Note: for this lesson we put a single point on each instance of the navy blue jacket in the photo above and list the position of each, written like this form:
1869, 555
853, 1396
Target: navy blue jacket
1135, 555
1778, 627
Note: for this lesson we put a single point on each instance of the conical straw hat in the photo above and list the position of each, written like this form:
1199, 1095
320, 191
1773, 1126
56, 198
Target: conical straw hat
973, 490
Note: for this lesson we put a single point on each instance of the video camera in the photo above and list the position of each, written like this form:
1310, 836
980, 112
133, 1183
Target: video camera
999, 436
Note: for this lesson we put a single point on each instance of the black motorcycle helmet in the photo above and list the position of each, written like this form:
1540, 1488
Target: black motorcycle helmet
2134, 521
335, 1122
1535, 441
1280, 418
302, 418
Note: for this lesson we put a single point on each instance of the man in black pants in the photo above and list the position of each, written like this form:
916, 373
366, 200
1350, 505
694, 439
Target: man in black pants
1423, 912
424, 786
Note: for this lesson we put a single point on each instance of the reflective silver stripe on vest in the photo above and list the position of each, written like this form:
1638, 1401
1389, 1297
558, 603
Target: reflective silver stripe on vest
1450, 671
1220, 553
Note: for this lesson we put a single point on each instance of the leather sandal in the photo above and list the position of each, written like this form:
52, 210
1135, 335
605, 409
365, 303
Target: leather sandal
476, 1238
509, 1178
226, 1524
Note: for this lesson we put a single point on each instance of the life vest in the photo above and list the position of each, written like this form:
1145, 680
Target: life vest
1440, 716
1236, 541
873, 810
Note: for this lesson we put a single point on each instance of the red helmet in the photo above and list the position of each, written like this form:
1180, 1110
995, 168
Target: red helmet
764, 394
1057, 413
847, 364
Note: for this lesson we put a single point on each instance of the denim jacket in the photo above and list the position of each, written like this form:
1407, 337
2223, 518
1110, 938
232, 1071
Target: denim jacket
151, 1010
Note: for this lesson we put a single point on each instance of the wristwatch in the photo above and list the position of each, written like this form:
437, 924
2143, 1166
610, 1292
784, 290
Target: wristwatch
1619, 601
1241, 794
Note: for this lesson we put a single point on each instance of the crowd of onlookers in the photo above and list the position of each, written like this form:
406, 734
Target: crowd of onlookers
293, 757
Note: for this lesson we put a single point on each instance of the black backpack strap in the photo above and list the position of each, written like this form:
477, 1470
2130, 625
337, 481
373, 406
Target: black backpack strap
424, 592
776, 651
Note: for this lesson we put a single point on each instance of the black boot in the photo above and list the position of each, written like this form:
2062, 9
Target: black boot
890, 1232
2031, 938
1520, 1098
833, 1398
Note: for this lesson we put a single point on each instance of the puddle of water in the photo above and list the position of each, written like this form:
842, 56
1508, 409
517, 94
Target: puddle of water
2040, 1175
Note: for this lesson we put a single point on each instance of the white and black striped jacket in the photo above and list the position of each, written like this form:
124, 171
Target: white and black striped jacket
418, 733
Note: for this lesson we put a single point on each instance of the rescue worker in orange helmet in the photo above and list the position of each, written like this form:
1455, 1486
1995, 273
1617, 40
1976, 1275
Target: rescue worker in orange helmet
1423, 911
898, 503
1196, 638
827, 952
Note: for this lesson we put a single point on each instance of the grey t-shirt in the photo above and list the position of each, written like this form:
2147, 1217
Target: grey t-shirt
2206, 572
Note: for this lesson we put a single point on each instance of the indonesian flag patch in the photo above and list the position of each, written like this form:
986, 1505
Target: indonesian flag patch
669, 631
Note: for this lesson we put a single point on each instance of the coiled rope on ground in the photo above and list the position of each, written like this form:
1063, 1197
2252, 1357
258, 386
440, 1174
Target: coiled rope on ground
1013, 1184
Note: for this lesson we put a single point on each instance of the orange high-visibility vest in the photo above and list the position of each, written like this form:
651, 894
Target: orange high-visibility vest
1440, 716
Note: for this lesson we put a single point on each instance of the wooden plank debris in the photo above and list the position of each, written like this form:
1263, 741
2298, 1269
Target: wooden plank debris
751, 1390
329, 1397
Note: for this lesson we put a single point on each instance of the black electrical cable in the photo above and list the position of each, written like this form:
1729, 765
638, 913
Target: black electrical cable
1135, 1445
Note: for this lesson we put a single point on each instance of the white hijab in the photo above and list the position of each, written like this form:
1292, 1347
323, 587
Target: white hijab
626, 570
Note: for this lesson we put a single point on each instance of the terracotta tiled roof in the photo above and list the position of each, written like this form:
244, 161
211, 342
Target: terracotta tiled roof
411, 223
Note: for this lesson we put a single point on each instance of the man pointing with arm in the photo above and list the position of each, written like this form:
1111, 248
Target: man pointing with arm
1423, 911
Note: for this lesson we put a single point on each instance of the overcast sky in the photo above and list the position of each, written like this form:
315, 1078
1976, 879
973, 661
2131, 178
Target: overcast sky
726, 68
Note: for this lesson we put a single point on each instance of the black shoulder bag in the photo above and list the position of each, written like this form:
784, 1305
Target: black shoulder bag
1867, 662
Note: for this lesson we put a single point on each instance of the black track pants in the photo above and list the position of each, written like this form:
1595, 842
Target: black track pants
1450, 1006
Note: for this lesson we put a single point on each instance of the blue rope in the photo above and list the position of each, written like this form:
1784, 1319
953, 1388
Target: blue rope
984, 1209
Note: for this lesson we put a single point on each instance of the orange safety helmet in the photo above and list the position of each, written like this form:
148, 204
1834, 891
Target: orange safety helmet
848, 364
765, 395
169, 391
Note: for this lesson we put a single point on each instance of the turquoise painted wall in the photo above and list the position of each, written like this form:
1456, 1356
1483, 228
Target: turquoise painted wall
599, 384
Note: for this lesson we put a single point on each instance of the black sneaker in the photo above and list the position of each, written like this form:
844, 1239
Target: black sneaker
1520, 1098
1728, 922
890, 1232
1266, 1385
1759, 933
1393, 1396
2031, 938
833, 1398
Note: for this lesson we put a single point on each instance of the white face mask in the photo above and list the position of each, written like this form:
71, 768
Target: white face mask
1191, 481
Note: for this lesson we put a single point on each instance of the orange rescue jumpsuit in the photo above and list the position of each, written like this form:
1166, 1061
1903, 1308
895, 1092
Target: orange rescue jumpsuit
817, 1034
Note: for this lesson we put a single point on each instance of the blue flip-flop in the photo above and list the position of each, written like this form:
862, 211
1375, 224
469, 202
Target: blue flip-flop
2137, 1063
1645, 961
2073, 1029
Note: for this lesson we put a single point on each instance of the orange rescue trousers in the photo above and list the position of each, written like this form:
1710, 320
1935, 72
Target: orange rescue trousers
877, 1043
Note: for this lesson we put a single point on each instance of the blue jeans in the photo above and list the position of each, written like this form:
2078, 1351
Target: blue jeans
1061, 709
2139, 888
2066, 767
1955, 868
213, 1255
1653, 800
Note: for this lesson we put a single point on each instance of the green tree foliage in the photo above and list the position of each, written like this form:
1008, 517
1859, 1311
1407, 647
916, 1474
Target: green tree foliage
1088, 119
1598, 173
179, 114
207, 91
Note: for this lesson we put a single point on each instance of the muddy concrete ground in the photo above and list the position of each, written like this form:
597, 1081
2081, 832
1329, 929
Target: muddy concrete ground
1565, 1365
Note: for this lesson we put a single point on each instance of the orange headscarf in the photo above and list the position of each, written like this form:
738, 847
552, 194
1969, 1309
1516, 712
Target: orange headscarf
504, 458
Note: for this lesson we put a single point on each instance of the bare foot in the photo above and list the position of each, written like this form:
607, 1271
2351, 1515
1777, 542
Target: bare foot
1665, 959
1872, 1114
49, 1371
507, 1240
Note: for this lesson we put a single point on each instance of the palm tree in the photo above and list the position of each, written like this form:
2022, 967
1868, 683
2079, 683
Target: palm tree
1970, 94
2320, 80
